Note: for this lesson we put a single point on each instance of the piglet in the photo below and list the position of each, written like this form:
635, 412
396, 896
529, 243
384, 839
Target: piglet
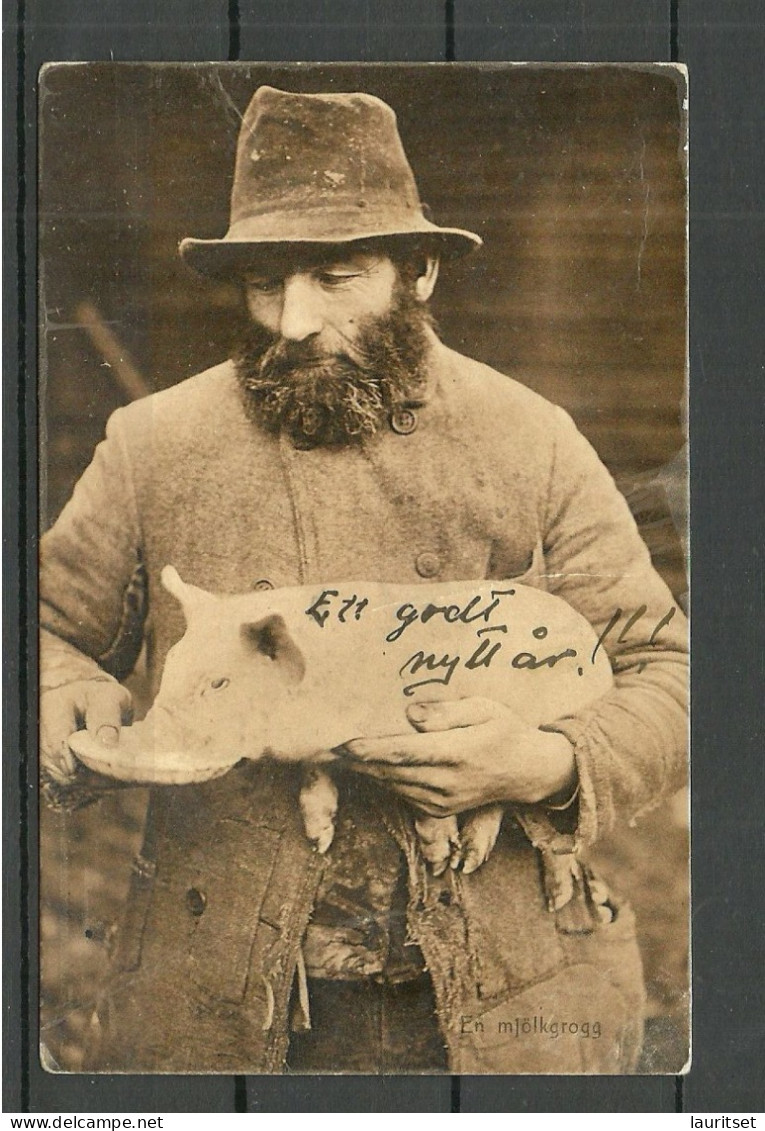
293, 673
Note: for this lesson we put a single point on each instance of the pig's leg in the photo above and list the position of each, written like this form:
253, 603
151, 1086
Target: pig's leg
439, 840
478, 834
318, 804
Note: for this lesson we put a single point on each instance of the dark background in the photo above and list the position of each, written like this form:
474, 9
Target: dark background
723, 47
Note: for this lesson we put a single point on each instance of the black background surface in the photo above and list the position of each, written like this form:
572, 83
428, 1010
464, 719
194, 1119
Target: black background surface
722, 45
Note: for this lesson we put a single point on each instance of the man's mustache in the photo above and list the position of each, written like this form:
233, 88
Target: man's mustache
284, 354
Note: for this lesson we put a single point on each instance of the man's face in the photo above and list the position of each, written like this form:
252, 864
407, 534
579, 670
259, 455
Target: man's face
322, 302
337, 339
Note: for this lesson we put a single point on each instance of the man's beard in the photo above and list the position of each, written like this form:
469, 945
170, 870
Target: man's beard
343, 398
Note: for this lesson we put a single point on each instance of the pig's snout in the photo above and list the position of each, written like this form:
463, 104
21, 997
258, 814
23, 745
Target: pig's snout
168, 729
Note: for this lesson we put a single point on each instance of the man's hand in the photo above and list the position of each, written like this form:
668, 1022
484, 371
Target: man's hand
468, 752
99, 706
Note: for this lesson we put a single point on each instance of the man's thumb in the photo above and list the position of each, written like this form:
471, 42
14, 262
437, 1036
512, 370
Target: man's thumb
107, 705
445, 714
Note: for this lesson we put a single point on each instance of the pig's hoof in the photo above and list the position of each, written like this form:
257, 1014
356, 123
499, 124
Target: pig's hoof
439, 838
319, 828
322, 840
479, 835
318, 804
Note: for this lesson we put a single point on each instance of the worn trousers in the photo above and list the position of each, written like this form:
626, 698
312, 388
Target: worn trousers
369, 1026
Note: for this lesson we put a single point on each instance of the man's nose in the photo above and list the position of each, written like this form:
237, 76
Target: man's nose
301, 315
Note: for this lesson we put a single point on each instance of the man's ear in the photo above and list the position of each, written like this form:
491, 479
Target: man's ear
426, 281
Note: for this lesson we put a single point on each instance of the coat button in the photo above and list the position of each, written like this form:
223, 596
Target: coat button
196, 901
262, 584
403, 421
427, 564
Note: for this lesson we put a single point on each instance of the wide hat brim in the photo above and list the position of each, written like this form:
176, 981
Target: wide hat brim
319, 169
229, 257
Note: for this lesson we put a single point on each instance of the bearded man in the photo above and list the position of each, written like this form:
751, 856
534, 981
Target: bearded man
344, 440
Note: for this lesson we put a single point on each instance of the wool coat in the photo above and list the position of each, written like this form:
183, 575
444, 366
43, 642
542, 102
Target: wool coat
476, 477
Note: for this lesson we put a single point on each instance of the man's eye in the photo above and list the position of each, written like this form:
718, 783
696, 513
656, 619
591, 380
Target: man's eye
330, 280
217, 684
264, 286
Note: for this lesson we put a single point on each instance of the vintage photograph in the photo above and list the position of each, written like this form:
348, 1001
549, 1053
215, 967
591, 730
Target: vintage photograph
363, 568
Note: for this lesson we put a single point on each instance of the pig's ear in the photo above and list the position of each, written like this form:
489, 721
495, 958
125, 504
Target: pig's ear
190, 597
270, 638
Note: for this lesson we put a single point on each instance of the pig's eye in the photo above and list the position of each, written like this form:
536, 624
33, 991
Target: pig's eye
217, 684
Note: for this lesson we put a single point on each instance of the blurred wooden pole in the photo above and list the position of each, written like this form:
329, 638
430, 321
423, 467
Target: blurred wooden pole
127, 376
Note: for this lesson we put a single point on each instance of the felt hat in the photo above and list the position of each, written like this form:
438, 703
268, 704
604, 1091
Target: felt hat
319, 169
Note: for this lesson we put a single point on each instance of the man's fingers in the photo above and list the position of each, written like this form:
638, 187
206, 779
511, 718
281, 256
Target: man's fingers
57, 721
446, 714
397, 750
107, 706
429, 797
401, 776
426, 801
101, 705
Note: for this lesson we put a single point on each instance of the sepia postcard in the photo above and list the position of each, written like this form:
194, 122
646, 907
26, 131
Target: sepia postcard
363, 568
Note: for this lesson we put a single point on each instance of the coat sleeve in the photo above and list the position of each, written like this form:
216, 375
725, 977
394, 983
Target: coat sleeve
92, 581
630, 745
